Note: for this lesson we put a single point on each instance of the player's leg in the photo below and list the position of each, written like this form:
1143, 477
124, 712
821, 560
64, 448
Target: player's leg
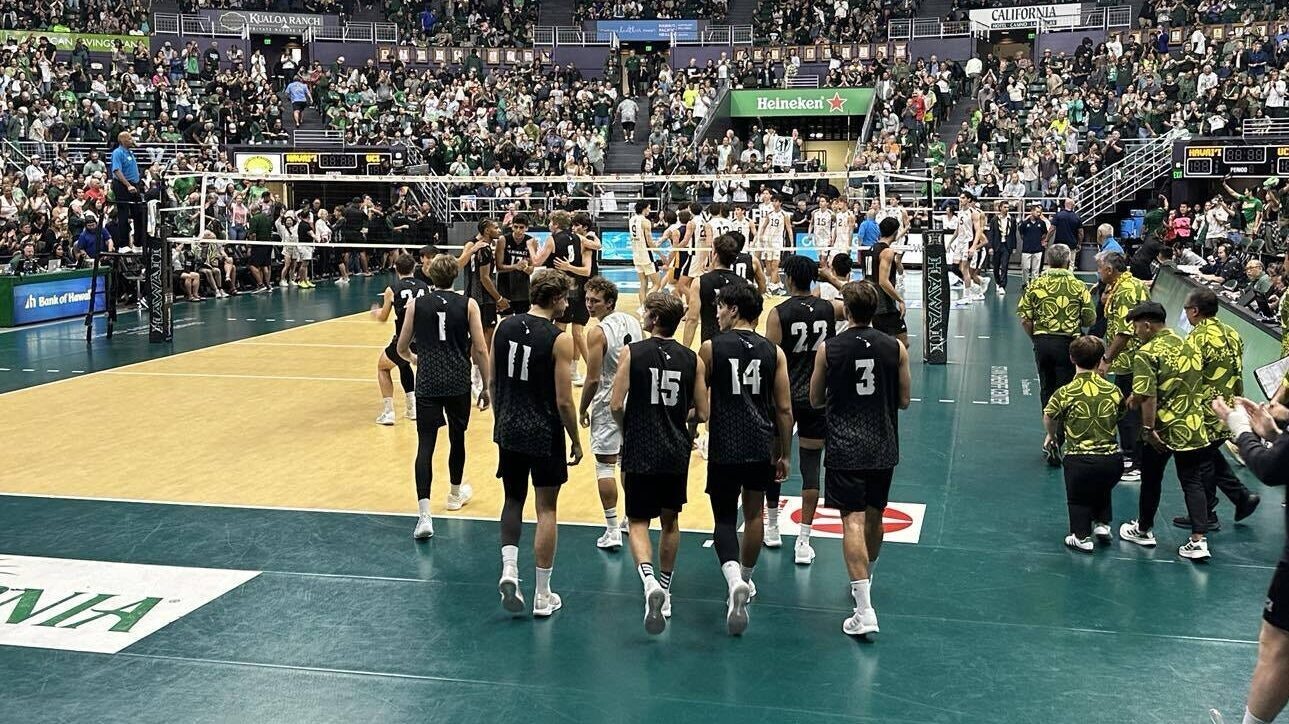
642, 506
513, 470
545, 601
854, 548
385, 380
579, 350
668, 547
406, 380
877, 492
809, 455
1269, 689
753, 533
725, 500
458, 415
427, 435
607, 482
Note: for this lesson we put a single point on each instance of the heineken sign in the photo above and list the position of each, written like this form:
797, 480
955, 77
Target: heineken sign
100, 607
801, 102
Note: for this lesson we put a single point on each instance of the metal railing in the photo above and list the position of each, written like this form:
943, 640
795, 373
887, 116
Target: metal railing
1143, 165
1265, 127
356, 33
189, 25
307, 137
717, 35
1119, 16
78, 151
551, 35
802, 81
468, 207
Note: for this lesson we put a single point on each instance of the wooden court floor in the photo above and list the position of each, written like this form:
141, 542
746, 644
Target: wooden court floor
233, 448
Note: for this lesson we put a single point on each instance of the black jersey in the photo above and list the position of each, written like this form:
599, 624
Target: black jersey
708, 285
743, 267
484, 257
569, 248
654, 435
523, 367
441, 332
872, 268
741, 426
513, 285
804, 323
405, 290
863, 386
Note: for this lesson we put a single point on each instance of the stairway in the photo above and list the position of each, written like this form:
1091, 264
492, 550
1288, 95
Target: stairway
741, 12
555, 13
623, 157
1144, 164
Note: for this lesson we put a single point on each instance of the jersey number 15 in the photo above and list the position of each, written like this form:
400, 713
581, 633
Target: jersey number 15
665, 389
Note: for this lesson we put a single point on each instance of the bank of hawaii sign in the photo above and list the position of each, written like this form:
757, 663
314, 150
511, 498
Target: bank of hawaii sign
801, 102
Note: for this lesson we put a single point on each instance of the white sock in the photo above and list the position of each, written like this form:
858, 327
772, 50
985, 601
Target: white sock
733, 573
389, 404
424, 505
747, 572
543, 581
611, 518
772, 515
1250, 719
454, 489
510, 561
411, 399
859, 591
803, 534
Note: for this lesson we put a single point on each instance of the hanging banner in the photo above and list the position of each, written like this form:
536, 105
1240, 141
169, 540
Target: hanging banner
935, 295
1045, 17
801, 102
266, 23
647, 30
67, 41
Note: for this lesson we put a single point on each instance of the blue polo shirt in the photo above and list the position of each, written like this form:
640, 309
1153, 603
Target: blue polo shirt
93, 242
123, 158
1111, 245
1067, 224
1032, 232
298, 92
869, 233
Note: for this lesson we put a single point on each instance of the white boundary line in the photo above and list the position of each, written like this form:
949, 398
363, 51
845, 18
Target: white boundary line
213, 375
309, 344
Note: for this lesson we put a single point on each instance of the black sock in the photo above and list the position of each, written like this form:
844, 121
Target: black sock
808, 462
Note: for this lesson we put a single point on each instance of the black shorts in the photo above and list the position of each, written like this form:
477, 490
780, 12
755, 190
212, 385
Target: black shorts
1276, 609
684, 263
261, 255
488, 314
547, 471
737, 477
299, 105
810, 421
453, 411
628, 126
576, 312
648, 494
851, 491
516, 307
391, 351
891, 323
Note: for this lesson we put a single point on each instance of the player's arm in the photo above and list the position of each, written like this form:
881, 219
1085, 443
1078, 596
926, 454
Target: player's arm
759, 273
687, 238
789, 236
702, 405
646, 231
818, 391
467, 251
583, 271
499, 255
564, 395
621, 386
478, 352
387, 306
691, 314
596, 345
980, 239
772, 327
783, 415
591, 241
540, 254
705, 362
906, 379
884, 262
405, 334
485, 280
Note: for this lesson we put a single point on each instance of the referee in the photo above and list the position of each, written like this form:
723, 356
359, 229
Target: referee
1054, 309
127, 194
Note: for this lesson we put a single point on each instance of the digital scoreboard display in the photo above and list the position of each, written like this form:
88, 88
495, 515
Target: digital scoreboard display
1211, 159
338, 162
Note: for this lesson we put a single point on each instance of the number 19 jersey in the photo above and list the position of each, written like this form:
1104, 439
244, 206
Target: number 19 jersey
863, 386
741, 426
655, 439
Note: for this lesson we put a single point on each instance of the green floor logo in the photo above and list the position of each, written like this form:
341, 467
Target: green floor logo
75, 605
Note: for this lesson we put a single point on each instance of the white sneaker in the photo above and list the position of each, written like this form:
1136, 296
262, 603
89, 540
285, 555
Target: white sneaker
805, 554
411, 410
624, 526
611, 539
666, 604
284, 283
1131, 533
702, 446
341, 282
1131, 475
544, 606
1001, 291
773, 539
736, 608
655, 598
1196, 550
424, 528
512, 599
751, 589
1079, 544
579, 379
386, 418
1101, 531
861, 623
456, 501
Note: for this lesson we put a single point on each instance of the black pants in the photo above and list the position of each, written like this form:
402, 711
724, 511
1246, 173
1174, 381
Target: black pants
1194, 471
1129, 424
130, 210
1088, 482
1224, 478
1002, 258
1052, 357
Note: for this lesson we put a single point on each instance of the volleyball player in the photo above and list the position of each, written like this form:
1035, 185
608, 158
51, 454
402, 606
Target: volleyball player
673, 234
883, 269
668, 380
843, 229
702, 296
741, 223
533, 410
448, 332
799, 325
821, 227
776, 225
569, 253
604, 345
514, 264
692, 232
750, 431
861, 379
746, 264
642, 246
396, 298
480, 259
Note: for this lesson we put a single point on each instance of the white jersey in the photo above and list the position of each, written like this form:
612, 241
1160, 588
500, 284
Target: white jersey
620, 329
843, 226
821, 221
745, 228
636, 226
775, 224
966, 232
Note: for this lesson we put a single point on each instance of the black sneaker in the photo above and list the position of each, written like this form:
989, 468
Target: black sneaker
1246, 508
1184, 522
1052, 453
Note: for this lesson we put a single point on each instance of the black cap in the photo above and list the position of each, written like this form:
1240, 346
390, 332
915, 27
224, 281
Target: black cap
1149, 311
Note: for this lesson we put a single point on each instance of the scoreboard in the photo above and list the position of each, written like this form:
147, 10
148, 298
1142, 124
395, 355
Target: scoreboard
1211, 158
338, 162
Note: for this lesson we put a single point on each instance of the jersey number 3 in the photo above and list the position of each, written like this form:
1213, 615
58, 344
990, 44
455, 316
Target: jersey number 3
867, 383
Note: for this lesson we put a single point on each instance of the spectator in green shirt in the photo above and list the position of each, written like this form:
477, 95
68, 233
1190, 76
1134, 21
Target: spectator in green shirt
1259, 280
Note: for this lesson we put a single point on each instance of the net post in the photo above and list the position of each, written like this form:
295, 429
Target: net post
935, 290
89, 313
161, 293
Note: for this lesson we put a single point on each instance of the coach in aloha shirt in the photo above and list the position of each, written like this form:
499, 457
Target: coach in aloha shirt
1122, 295
1170, 370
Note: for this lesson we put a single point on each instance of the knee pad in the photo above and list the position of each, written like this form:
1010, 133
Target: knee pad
605, 470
